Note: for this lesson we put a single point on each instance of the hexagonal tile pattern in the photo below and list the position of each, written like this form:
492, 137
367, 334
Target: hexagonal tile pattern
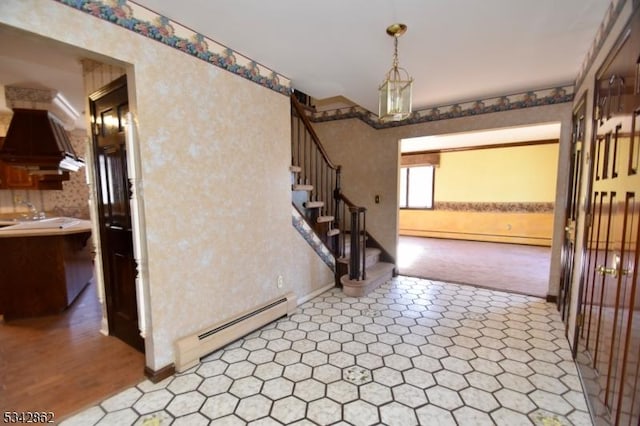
288, 410
375, 393
413, 351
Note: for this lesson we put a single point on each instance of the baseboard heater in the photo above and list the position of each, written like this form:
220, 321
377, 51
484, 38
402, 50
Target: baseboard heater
191, 348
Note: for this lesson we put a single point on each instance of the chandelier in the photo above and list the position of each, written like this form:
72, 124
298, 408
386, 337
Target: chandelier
395, 90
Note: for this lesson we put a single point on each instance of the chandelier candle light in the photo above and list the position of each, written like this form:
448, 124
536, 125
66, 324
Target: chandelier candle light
395, 90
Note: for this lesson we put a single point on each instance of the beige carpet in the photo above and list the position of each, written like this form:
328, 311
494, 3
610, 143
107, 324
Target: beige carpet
509, 267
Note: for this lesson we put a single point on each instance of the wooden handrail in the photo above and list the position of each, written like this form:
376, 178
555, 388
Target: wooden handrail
319, 175
307, 124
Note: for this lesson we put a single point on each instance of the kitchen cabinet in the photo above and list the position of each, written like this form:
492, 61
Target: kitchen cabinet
43, 271
19, 178
14, 178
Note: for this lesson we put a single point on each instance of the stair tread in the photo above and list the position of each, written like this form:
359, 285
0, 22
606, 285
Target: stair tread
295, 169
322, 219
300, 187
369, 251
376, 270
313, 204
380, 268
332, 232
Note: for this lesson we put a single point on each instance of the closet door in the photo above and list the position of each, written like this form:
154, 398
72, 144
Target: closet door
609, 333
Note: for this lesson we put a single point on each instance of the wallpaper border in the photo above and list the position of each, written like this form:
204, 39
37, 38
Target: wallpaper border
501, 207
131, 16
532, 98
610, 18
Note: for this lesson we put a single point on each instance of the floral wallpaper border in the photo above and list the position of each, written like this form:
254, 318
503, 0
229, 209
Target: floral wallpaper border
312, 239
127, 14
145, 22
610, 18
501, 207
515, 101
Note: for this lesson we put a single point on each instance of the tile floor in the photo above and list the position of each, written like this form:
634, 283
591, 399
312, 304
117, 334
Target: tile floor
412, 352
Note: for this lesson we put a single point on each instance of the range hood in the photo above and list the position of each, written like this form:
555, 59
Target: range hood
37, 141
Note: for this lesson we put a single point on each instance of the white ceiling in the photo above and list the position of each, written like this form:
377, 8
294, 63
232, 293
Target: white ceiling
456, 50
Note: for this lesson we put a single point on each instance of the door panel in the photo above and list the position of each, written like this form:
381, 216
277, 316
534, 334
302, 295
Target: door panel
108, 107
609, 324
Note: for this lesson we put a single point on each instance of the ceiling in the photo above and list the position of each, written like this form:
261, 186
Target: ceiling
456, 50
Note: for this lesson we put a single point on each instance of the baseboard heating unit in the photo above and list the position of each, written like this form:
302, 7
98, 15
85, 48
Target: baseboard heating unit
191, 348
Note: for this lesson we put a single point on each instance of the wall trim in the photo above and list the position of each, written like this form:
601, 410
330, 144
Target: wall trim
533, 98
312, 239
482, 147
315, 293
610, 18
551, 298
490, 207
156, 376
142, 21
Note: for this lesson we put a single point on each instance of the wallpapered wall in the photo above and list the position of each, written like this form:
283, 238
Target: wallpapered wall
216, 186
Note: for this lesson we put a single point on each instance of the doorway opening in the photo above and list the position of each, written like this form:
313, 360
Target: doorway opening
68, 352
480, 209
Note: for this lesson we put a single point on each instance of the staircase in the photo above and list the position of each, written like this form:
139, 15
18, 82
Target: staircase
362, 264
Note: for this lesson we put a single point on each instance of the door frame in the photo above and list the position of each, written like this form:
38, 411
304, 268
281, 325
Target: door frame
137, 220
572, 210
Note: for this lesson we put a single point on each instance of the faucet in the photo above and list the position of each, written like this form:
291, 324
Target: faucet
35, 214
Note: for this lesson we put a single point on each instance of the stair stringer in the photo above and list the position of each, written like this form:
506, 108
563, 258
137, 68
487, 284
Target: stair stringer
312, 238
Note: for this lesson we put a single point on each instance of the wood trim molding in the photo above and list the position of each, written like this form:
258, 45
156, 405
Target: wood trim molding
409, 159
489, 146
552, 298
159, 375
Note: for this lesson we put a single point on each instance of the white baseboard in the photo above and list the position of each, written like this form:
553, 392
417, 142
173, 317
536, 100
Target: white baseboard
315, 293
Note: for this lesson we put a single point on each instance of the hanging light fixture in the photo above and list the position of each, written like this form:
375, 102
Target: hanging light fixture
395, 90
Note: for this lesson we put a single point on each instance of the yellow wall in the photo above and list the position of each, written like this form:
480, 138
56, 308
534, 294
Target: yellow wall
480, 177
514, 174
504, 227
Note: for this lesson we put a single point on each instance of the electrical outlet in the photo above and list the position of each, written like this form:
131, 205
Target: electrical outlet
17, 199
280, 281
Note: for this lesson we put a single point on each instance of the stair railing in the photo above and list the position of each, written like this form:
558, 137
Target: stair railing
316, 168
357, 257
319, 171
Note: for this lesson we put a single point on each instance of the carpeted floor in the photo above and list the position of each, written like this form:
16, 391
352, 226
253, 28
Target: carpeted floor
509, 267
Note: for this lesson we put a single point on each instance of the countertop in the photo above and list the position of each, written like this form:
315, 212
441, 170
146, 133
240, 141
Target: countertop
42, 228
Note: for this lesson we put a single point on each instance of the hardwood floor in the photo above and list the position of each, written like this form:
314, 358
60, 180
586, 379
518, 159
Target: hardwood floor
498, 266
62, 363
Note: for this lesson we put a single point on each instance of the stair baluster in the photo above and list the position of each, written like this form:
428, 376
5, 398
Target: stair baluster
318, 193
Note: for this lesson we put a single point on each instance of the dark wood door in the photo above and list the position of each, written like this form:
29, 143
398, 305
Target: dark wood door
108, 108
609, 320
572, 211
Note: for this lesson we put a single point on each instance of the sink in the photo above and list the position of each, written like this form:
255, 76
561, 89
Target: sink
50, 223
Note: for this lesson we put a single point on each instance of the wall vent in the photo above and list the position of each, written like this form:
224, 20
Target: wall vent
191, 348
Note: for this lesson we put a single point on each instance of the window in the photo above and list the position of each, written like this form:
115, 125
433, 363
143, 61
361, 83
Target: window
416, 187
